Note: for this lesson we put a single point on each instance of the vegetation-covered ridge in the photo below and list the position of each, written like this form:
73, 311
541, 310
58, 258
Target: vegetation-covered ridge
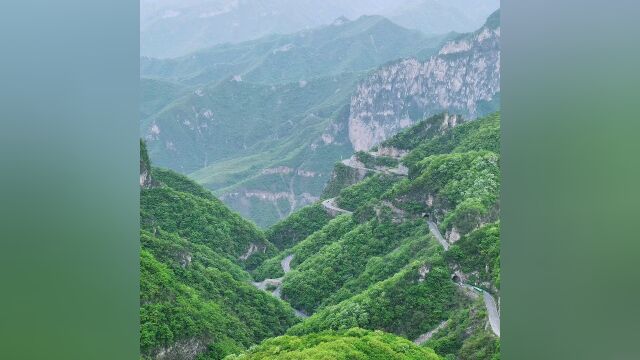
380, 268
195, 294
338, 345
377, 267
261, 122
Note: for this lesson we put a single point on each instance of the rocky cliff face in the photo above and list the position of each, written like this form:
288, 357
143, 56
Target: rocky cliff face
463, 78
146, 180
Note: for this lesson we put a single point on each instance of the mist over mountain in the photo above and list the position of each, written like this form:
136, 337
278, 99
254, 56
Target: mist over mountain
261, 123
442, 16
171, 28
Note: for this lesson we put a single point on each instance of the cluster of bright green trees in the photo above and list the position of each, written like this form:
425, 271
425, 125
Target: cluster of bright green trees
376, 270
380, 268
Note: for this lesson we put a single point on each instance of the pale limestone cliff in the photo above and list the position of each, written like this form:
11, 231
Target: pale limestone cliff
463, 78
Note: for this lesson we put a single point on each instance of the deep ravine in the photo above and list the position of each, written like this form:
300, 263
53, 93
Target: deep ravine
277, 282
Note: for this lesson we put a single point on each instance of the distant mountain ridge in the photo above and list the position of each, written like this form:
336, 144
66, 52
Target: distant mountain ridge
262, 122
273, 116
172, 28
343, 46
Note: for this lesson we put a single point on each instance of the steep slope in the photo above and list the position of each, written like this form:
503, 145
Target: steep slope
298, 226
195, 295
387, 154
261, 148
464, 336
342, 345
269, 116
268, 147
382, 268
463, 78
238, 120
156, 94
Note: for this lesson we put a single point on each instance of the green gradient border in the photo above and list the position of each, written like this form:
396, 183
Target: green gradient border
69, 263
569, 202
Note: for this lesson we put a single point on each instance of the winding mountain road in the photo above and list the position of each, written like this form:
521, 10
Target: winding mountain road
331, 206
286, 263
489, 300
426, 336
277, 282
492, 309
436, 232
355, 164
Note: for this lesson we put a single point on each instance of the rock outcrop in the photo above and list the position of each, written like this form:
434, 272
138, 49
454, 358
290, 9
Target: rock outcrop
462, 78
146, 180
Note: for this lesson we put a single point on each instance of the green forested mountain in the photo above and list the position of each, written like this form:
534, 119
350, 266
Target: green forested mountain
261, 122
339, 345
381, 268
372, 279
346, 46
156, 94
195, 293
327, 194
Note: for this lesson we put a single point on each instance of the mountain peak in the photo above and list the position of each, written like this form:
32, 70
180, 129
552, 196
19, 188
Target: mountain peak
493, 21
339, 21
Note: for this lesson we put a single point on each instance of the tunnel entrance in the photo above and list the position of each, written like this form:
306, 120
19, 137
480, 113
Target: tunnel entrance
455, 278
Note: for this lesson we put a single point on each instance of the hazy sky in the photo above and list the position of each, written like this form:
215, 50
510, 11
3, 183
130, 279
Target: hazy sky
176, 27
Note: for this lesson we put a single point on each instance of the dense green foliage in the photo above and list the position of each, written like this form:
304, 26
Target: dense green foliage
367, 190
205, 221
342, 177
341, 345
371, 162
331, 232
465, 337
458, 173
481, 134
383, 270
188, 292
327, 271
467, 183
181, 183
194, 292
171, 311
413, 136
298, 226
479, 252
378, 269
406, 304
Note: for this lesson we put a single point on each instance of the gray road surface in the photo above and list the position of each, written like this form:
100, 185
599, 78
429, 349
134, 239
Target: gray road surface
489, 301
